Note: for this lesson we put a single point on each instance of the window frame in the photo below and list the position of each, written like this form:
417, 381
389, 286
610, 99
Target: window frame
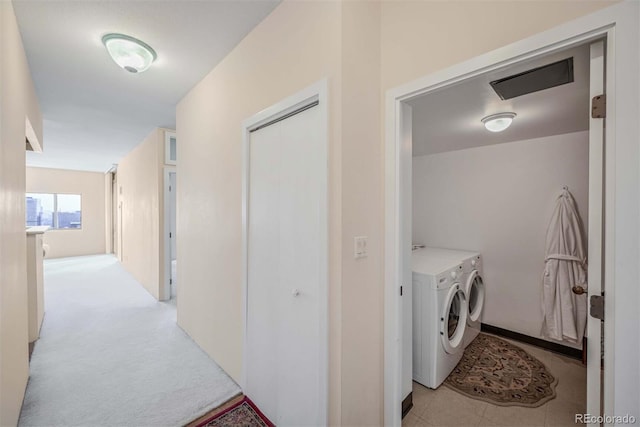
54, 214
167, 148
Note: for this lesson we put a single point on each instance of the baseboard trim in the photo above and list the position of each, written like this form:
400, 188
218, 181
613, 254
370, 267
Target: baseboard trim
574, 353
407, 404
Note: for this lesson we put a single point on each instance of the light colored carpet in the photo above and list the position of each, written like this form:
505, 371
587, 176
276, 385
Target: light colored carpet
111, 355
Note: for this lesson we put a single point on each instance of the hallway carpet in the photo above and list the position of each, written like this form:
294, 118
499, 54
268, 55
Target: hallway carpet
109, 354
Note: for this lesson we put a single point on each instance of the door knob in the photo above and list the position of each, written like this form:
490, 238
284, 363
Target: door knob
295, 292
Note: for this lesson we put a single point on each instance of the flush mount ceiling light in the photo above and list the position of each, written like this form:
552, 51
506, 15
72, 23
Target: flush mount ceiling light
129, 53
498, 122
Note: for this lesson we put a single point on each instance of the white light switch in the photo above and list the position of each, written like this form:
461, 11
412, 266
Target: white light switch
360, 247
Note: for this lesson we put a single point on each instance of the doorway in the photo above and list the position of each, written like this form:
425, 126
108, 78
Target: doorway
398, 184
113, 216
170, 236
173, 258
285, 247
489, 195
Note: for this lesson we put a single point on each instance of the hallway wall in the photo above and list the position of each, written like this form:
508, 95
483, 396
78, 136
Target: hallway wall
17, 102
364, 49
296, 45
139, 196
412, 31
90, 185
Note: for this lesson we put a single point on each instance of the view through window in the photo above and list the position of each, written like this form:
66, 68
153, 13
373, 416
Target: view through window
61, 211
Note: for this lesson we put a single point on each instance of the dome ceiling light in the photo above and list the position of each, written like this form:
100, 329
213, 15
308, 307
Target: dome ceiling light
129, 53
498, 122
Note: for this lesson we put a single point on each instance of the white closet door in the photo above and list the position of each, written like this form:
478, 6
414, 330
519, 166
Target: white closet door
283, 329
263, 274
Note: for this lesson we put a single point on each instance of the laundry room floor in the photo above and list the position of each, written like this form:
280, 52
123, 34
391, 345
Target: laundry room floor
446, 407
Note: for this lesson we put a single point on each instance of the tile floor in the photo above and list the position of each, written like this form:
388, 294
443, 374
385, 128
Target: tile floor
445, 407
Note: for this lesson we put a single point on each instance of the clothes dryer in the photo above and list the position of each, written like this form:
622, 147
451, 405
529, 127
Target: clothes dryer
472, 280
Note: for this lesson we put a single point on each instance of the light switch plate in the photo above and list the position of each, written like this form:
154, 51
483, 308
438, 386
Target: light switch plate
360, 247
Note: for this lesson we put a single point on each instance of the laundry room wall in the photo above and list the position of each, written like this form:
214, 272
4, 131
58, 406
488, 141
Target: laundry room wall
498, 200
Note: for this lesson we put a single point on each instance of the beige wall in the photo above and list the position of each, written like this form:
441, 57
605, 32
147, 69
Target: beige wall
421, 37
90, 185
297, 45
362, 215
363, 48
17, 102
140, 196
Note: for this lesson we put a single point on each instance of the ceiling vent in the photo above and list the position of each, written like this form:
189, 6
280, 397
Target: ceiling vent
534, 80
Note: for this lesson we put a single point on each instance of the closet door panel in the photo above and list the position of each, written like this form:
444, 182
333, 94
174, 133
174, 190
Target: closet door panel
283, 318
299, 350
263, 321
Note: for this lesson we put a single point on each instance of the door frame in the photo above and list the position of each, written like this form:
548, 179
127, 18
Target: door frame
618, 24
166, 228
316, 92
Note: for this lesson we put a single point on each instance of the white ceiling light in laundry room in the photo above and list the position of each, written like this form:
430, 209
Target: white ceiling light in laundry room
498, 122
129, 53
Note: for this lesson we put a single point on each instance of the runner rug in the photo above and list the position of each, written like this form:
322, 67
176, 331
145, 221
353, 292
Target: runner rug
243, 413
498, 372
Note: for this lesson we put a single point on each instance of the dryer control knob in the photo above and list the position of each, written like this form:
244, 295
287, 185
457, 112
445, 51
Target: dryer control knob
454, 274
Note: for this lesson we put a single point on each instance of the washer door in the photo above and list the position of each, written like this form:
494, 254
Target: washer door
453, 321
474, 291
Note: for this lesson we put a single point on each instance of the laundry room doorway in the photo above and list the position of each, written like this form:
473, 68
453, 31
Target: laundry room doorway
594, 183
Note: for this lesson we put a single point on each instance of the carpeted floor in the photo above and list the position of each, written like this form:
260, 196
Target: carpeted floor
109, 354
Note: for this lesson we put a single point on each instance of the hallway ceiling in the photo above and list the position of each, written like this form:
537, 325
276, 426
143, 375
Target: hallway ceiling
449, 119
94, 112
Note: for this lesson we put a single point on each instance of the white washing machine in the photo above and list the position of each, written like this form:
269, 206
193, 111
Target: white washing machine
472, 280
439, 318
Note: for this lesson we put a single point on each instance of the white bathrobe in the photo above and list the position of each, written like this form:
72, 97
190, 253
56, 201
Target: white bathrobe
564, 312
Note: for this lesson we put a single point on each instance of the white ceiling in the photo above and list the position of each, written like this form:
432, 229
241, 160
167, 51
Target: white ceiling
449, 119
94, 112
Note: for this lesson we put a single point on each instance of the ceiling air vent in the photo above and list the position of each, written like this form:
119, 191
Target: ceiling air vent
534, 80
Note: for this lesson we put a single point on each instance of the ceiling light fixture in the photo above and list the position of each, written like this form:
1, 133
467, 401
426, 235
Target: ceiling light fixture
498, 122
129, 53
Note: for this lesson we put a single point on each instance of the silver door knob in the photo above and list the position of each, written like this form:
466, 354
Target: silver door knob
295, 292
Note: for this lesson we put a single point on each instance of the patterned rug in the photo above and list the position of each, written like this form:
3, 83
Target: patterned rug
244, 413
501, 373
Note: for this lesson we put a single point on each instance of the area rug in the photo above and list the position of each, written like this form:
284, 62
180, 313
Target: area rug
243, 413
496, 371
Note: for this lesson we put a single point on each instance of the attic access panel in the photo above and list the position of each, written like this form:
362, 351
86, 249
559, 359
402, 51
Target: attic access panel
537, 79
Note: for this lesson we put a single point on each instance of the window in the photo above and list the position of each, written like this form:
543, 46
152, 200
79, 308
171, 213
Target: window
59, 211
170, 148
